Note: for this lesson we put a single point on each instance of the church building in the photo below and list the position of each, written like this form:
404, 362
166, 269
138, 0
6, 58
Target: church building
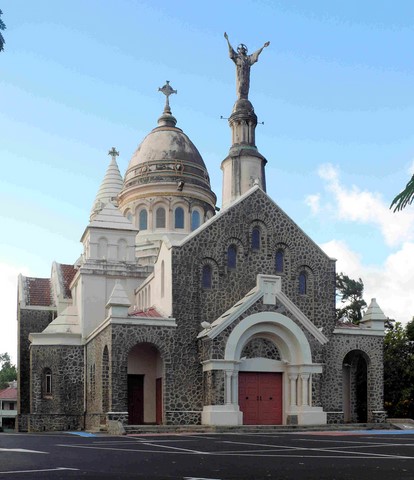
181, 313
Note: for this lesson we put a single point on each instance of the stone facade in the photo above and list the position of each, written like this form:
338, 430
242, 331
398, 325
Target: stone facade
171, 311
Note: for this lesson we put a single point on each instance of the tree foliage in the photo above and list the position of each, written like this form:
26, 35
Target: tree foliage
404, 198
2, 27
399, 370
8, 371
350, 293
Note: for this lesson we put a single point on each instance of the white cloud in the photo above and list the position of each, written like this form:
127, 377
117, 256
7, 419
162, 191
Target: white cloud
313, 202
361, 206
391, 284
8, 323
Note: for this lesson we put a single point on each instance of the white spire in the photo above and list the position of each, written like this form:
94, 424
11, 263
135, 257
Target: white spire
111, 185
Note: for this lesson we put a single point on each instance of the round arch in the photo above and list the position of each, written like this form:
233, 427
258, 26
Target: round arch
287, 336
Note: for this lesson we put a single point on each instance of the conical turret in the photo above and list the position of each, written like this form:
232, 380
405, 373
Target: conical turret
111, 185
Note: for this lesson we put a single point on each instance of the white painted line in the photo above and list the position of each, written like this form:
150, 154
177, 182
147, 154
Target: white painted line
37, 471
176, 448
19, 450
199, 478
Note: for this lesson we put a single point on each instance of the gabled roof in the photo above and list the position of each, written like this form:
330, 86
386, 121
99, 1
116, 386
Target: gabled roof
68, 272
148, 313
37, 291
254, 190
268, 287
8, 393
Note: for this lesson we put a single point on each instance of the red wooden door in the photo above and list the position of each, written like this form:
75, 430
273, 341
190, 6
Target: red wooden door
260, 398
158, 401
135, 399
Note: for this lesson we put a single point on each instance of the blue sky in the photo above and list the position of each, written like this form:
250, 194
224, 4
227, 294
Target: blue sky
334, 90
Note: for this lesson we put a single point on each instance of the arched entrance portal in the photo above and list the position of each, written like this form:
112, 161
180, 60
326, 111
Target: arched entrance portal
145, 373
355, 386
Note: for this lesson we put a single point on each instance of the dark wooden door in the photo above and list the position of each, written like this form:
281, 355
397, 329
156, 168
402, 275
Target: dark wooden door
260, 398
135, 399
158, 401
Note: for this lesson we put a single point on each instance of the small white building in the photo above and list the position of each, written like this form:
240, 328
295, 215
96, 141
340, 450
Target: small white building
8, 406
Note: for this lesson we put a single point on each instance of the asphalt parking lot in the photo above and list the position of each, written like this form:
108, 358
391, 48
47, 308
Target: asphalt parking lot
313, 455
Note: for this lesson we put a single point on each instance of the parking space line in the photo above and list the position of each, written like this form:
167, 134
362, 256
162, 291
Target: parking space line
11, 472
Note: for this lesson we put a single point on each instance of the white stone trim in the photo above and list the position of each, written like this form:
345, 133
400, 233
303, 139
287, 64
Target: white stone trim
153, 322
359, 332
55, 339
293, 345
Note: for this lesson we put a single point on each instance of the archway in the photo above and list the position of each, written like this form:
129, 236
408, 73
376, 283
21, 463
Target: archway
355, 386
271, 381
145, 373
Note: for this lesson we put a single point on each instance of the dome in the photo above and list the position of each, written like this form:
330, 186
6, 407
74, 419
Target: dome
166, 155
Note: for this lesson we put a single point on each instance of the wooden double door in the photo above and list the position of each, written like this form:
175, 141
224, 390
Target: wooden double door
136, 400
260, 398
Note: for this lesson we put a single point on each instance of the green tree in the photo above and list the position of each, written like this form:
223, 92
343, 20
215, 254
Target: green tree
404, 198
398, 370
350, 293
8, 371
2, 27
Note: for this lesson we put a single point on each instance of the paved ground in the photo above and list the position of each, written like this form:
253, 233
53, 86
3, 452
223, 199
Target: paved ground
283, 456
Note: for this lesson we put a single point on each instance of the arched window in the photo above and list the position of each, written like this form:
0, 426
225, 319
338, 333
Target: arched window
279, 260
179, 218
256, 238
162, 279
102, 248
302, 283
143, 220
232, 256
47, 382
160, 218
195, 219
122, 249
206, 276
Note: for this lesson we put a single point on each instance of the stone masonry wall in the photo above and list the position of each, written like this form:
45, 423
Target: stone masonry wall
63, 409
29, 321
96, 416
193, 304
332, 381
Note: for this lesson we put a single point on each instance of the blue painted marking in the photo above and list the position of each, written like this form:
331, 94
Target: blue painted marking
383, 432
82, 434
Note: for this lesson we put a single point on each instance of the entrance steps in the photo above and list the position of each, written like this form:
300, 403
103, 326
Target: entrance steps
181, 429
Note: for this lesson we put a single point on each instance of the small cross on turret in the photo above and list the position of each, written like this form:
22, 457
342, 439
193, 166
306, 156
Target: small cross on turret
167, 90
113, 153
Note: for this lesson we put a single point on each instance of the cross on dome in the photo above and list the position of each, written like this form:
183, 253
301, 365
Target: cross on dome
167, 90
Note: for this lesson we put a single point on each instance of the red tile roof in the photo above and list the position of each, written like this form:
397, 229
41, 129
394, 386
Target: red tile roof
8, 394
68, 272
38, 292
149, 313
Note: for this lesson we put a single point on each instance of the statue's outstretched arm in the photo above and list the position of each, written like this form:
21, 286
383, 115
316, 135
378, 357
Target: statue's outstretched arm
255, 56
232, 53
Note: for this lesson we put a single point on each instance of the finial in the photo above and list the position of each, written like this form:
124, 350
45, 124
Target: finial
113, 153
167, 90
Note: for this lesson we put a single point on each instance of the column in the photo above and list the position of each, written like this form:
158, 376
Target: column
228, 387
292, 380
305, 388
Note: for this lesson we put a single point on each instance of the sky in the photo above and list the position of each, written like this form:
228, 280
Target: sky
334, 91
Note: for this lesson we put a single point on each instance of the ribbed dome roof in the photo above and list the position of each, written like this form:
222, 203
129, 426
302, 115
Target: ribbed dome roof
166, 155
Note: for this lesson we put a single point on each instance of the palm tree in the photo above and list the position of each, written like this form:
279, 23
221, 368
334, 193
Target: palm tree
2, 27
404, 198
